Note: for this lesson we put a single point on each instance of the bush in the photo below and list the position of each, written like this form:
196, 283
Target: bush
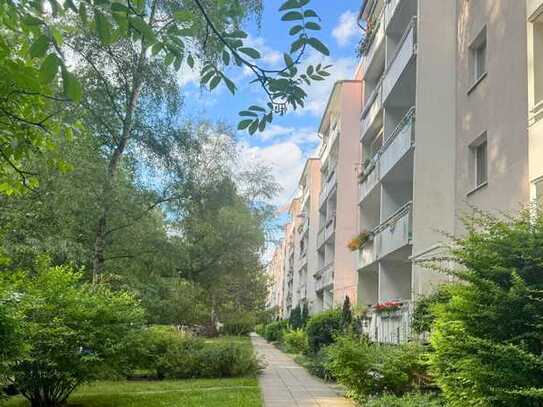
72, 332
487, 337
274, 330
409, 400
322, 328
199, 359
295, 341
260, 329
316, 364
371, 369
238, 328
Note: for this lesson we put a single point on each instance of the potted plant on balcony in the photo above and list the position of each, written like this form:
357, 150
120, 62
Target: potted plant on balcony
388, 308
357, 242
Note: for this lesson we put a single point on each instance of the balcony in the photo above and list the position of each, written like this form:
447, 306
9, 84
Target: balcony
371, 177
398, 144
405, 53
366, 255
395, 232
330, 227
390, 10
389, 327
328, 187
321, 237
372, 108
375, 41
324, 278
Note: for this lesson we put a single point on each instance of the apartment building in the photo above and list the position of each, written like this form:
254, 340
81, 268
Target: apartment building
275, 271
443, 130
290, 279
335, 275
535, 96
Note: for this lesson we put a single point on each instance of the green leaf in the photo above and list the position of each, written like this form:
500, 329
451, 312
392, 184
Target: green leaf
190, 61
120, 8
288, 60
69, 4
230, 85
253, 53
71, 86
303, 2
169, 58
292, 15
205, 78
242, 125
319, 46
214, 82
31, 20
83, 12
310, 13
296, 45
226, 57
262, 125
289, 5
253, 127
313, 26
143, 28
103, 27
255, 108
49, 68
57, 36
39, 46
236, 34
295, 30
183, 15
156, 48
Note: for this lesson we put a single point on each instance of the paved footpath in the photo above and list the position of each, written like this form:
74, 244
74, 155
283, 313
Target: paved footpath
284, 383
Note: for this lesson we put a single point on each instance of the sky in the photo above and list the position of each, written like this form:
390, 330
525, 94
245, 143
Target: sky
292, 138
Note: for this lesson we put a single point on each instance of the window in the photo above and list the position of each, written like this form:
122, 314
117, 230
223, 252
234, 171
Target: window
478, 56
481, 163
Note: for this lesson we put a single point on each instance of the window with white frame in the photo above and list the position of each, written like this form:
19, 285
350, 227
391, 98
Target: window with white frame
480, 160
478, 56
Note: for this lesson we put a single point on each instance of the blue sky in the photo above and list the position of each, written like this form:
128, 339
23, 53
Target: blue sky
292, 138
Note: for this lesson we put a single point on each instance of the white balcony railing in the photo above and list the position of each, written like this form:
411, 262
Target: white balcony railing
395, 232
321, 237
390, 327
390, 10
405, 53
330, 227
371, 178
398, 144
373, 107
366, 255
324, 278
376, 41
328, 187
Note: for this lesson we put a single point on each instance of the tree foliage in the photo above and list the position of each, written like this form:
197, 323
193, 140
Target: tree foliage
487, 337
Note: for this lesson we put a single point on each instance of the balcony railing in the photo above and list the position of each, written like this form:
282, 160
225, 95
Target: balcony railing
366, 255
390, 10
324, 277
373, 107
330, 227
375, 41
390, 327
328, 187
405, 53
398, 144
321, 238
401, 140
395, 232
371, 177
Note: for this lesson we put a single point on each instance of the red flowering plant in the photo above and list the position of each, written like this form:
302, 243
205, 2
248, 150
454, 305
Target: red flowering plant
387, 306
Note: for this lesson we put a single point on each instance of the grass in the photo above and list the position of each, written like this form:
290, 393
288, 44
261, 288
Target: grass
234, 392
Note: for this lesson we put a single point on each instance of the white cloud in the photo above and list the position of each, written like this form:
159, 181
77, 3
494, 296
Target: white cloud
346, 29
286, 160
319, 91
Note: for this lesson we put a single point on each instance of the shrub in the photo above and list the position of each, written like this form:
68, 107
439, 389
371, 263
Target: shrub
316, 364
295, 341
238, 328
260, 329
274, 330
487, 337
72, 333
370, 369
423, 316
322, 328
408, 400
199, 359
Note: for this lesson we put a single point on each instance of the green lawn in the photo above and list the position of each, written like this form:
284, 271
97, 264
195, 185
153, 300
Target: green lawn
237, 392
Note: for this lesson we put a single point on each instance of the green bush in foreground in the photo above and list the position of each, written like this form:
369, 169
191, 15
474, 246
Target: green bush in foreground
295, 341
487, 337
274, 330
371, 369
71, 332
322, 328
408, 400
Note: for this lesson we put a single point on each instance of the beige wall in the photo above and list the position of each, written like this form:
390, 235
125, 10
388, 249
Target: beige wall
314, 183
345, 278
497, 106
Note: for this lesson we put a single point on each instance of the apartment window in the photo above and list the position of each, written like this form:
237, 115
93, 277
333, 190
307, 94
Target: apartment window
478, 56
480, 160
